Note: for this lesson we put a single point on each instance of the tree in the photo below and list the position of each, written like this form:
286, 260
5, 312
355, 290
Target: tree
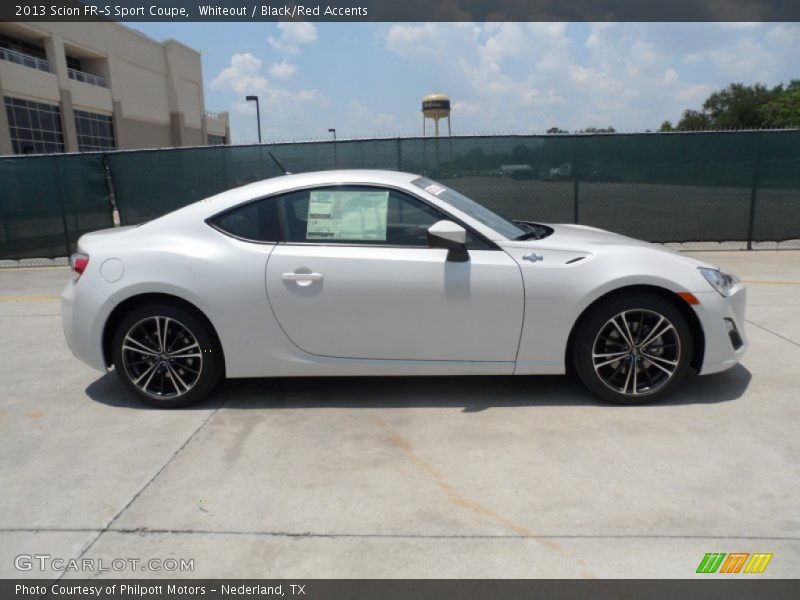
741, 106
666, 126
598, 130
694, 120
784, 110
553, 130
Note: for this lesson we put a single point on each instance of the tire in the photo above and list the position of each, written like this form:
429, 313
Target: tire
181, 372
661, 348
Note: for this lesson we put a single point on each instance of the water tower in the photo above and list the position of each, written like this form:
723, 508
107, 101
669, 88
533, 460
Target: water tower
436, 106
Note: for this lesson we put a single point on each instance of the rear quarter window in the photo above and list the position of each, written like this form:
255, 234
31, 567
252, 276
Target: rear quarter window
256, 221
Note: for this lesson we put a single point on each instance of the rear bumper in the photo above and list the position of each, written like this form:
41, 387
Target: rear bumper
82, 316
722, 320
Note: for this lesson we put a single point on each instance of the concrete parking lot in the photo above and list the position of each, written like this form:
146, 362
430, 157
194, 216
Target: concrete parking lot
415, 477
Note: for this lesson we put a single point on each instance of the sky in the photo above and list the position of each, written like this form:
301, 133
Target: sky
368, 79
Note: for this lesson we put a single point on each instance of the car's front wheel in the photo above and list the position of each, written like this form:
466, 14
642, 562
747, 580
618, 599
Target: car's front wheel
632, 349
165, 356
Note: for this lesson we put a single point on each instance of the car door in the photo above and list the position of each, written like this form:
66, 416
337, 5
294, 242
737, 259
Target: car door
354, 278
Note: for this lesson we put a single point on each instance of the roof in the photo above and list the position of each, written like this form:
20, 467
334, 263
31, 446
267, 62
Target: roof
265, 187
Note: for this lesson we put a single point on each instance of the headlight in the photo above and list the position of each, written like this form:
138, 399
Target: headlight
719, 280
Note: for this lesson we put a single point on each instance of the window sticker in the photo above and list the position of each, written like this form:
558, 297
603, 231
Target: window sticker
347, 215
435, 189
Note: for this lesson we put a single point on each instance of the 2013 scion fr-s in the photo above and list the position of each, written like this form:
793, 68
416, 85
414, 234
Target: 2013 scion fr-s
374, 273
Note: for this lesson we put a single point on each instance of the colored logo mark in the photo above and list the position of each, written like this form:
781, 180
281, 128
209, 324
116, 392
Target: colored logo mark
735, 562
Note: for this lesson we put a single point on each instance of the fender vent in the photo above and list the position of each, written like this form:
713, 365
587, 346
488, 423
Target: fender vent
574, 260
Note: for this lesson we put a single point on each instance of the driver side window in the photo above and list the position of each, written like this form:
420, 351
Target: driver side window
360, 215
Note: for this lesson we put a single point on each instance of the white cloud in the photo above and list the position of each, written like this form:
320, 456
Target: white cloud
243, 75
517, 76
741, 25
293, 35
745, 59
406, 39
786, 34
277, 98
307, 96
365, 116
644, 54
241, 106
298, 32
282, 70
286, 109
475, 58
670, 77
283, 113
505, 40
693, 93
433, 40
467, 108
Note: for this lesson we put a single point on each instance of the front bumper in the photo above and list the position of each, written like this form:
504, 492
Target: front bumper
722, 319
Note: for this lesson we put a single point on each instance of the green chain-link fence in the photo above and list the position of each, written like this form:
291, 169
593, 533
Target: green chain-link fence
742, 186
48, 202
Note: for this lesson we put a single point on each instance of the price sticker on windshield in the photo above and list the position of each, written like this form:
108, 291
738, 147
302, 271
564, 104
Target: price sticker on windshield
435, 189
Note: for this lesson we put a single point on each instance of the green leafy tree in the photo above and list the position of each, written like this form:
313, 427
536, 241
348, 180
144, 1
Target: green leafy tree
666, 126
784, 110
694, 120
741, 106
598, 130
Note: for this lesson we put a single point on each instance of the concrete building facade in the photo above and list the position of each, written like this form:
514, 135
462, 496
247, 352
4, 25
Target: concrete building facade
74, 87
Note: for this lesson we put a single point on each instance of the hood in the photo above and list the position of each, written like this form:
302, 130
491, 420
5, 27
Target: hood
568, 242
583, 235
580, 238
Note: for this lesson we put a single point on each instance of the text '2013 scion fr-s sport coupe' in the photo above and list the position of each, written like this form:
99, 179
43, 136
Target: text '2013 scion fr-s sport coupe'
375, 273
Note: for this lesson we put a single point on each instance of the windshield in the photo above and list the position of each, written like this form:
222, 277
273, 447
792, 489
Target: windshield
466, 205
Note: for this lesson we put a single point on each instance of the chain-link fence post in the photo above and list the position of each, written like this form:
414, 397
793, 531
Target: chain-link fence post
225, 165
7, 239
753, 192
399, 156
67, 249
112, 196
575, 198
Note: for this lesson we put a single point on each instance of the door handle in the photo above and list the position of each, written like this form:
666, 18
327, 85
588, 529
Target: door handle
302, 277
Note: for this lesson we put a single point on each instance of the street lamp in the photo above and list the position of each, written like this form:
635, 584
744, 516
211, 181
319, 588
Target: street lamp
258, 114
335, 157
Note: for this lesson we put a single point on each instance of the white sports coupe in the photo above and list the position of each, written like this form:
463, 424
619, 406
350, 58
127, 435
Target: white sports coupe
368, 273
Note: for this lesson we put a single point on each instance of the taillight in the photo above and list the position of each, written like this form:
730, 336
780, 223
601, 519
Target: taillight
78, 262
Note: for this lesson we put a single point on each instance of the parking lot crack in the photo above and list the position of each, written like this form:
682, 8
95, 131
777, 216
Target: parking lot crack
773, 333
155, 476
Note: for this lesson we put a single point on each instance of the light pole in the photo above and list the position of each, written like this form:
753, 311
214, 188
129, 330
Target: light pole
258, 114
335, 157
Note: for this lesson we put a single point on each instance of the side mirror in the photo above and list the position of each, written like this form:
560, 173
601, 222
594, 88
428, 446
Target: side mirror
449, 235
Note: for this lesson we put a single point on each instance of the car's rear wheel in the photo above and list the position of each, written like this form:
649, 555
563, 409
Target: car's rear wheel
165, 356
633, 349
